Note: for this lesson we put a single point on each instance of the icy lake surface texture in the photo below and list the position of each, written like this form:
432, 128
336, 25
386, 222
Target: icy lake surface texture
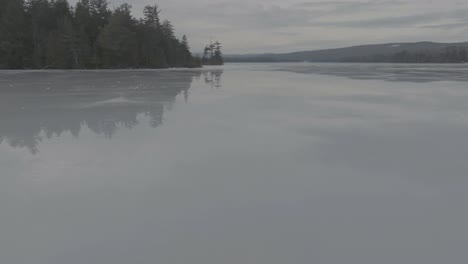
249, 163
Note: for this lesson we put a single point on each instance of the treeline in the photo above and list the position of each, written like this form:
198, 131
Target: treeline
40, 34
452, 54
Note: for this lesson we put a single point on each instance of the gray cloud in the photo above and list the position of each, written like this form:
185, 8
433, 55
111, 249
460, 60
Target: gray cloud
394, 21
246, 26
408, 20
448, 25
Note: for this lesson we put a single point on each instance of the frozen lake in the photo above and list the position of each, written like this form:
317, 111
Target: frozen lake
250, 163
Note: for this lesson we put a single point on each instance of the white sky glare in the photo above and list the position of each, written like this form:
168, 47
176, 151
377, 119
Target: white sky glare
257, 26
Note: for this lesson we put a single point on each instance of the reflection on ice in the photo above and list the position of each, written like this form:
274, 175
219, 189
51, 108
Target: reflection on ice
50, 103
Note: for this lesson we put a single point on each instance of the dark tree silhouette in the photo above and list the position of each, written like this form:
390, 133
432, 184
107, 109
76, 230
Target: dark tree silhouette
39, 34
212, 54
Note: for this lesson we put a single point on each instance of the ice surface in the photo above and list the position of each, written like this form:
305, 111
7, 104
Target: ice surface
252, 163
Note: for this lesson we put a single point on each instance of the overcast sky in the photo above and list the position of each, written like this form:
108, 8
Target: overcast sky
245, 26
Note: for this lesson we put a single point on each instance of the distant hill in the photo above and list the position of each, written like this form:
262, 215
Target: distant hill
390, 52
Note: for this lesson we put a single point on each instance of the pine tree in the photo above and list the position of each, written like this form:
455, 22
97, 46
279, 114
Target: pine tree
42, 23
84, 34
218, 55
150, 36
151, 14
13, 34
117, 40
61, 43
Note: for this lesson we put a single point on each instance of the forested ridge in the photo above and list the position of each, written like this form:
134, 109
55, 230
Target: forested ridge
417, 52
454, 54
52, 34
